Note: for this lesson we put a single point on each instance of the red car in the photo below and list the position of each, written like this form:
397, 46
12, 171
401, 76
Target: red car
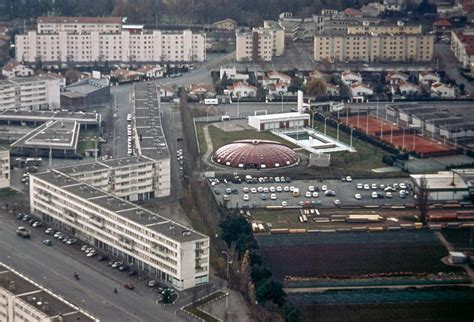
128, 286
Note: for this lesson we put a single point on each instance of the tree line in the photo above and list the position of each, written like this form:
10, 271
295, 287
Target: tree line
247, 12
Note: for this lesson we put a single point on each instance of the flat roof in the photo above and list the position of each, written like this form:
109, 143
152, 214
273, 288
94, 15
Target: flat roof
430, 115
102, 165
446, 180
152, 141
55, 134
121, 207
38, 297
441, 121
418, 110
87, 86
458, 127
280, 116
43, 116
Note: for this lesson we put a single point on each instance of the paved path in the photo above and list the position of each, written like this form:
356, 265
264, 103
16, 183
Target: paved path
449, 63
340, 288
450, 248
210, 148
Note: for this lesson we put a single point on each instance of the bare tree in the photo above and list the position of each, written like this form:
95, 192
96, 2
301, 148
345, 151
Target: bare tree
422, 201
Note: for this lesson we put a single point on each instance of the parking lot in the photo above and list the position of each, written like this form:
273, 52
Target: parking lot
373, 192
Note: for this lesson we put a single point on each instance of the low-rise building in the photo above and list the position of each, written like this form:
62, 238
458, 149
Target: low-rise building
259, 44
16, 69
279, 121
442, 186
427, 78
462, 45
4, 167
86, 94
360, 92
332, 90
349, 77
29, 93
241, 89
231, 73
405, 88
277, 89
226, 24
167, 91
395, 78
457, 131
201, 90
151, 71
122, 75
275, 77
442, 90
395, 5
25, 300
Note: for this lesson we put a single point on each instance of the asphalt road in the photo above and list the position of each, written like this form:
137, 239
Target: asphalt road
345, 192
54, 266
450, 64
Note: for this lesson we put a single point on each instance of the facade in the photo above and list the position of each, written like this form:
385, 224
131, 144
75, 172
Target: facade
377, 43
241, 89
4, 167
406, 88
152, 243
259, 44
131, 178
349, 77
86, 94
279, 121
232, 73
22, 299
15, 69
428, 78
29, 93
442, 90
462, 45
445, 185
99, 41
226, 24
151, 71
359, 89
201, 90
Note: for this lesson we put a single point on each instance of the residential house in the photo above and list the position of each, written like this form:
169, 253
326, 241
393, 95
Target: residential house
151, 71
16, 69
442, 90
332, 90
278, 89
396, 78
395, 5
276, 77
441, 25
231, 73
349, 78
241, 89
125, 75
405, 88
360, 90
226, 24
428, 78
315, 74
166, 91
201, 90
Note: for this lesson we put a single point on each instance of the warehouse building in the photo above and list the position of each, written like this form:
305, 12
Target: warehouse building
279, 121
444, 185
173, 253
22, 299
86, 94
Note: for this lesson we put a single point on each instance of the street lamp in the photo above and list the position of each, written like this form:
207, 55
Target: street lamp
281, 94
228, 262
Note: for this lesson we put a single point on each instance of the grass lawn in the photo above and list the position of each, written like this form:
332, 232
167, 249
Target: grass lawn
221, 138
201, 139
7, 192
82, 146
89, 133
366, 158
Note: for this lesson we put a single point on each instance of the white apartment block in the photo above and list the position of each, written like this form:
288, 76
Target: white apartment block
77, 25
462, 45
259, 44
131, 178
29, 93
22, 299
376, 43
152, 243
100, 43
4, 167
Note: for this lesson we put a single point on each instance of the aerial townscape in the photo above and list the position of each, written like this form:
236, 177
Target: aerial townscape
218, 160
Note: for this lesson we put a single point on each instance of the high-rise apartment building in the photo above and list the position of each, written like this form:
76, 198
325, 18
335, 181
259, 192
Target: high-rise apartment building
260, 43
29, 93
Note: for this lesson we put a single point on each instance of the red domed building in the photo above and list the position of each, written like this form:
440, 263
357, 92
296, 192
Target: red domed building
255, 154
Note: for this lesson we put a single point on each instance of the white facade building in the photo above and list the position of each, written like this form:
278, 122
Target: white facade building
29, 93
152, 243
22, 299
103, 42
16, 69
442, 90
349, 77
259, 44
279, 121
241, 89
4, 167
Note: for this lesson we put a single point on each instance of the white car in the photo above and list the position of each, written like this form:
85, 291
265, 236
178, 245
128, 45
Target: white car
374, 186
286, 189
395, 185
245, 190
311, 188
324, 188
391, 189
279, 189
366, 187
358, 196
337, 202
266, 190
402, 186
260, 189
388, 194
253, 190
273, 196
292, 188
284, 203
308, 194
375, 195
272, 189
246, 197
315, 194
349, 179
360, 186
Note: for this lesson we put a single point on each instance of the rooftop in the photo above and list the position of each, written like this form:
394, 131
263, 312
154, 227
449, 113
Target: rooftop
281, 116
445, 180
43, 116
94, 20
458, 127
121, 207
87, 86
38, 297
57, 134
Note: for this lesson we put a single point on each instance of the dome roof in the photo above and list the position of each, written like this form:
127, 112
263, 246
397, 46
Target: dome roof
255, 154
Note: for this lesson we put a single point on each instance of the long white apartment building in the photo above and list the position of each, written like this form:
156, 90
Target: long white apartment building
22, 299
260, 43
131, 178
4, 167
172, 252
29, 93
71, 39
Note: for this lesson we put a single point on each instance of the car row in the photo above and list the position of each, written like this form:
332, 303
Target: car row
390, 188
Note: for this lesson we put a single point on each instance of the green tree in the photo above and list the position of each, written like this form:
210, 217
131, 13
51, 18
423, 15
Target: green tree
270, 290
316, 87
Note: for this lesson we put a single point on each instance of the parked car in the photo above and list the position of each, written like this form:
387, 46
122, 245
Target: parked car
47, 242
152, 283
124, 268
116, 264
358, 196
49, 231
128, 286
102, 258
132, 273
